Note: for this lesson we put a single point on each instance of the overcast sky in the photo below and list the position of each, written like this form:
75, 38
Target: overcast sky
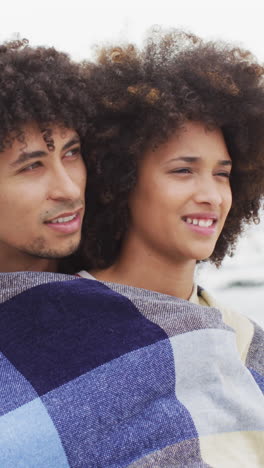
73, 26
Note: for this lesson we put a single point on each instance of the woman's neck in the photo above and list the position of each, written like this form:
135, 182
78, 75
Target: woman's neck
150, 271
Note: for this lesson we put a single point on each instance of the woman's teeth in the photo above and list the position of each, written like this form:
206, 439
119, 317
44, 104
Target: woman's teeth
200, 222
64, 220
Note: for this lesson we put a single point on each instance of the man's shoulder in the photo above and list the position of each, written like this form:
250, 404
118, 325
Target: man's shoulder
15, 283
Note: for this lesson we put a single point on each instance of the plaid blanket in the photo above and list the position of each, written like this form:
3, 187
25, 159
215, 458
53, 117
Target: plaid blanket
104, 375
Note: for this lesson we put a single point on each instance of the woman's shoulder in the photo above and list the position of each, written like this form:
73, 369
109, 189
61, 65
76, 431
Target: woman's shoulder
249, 335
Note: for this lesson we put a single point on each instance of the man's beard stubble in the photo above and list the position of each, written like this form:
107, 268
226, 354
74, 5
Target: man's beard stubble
39, 249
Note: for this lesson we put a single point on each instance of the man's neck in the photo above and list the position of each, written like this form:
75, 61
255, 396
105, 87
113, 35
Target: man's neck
152, 272
14, 264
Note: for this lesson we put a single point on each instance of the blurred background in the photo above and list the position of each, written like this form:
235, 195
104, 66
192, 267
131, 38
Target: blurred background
75, 27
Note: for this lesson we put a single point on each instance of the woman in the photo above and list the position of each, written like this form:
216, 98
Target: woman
177, 172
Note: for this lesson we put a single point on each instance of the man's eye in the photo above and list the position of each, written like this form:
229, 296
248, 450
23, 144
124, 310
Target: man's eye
73, 152
33, 166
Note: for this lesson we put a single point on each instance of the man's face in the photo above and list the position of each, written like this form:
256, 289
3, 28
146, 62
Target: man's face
41, 199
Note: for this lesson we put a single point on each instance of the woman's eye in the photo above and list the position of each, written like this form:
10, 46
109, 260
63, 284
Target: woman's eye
183, 170
224, 174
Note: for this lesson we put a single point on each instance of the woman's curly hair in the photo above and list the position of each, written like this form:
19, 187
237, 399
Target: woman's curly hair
146, 95
41, 85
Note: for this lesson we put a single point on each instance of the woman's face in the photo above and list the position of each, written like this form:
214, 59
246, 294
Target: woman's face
182, 196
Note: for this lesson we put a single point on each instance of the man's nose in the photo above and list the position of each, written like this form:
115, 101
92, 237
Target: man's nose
63, 186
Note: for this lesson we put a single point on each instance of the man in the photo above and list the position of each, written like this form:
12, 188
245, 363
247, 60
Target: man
43, 107
41, 200
45, 110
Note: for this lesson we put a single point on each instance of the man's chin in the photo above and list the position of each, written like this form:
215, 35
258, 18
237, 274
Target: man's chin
53, 253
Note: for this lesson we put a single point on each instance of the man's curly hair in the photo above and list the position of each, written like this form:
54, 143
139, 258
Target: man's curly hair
44, 86
146, 95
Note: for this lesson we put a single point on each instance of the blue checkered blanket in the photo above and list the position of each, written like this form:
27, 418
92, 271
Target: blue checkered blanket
110, 376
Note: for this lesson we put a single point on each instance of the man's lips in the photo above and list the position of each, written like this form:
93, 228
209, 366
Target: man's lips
66, 223
63, 215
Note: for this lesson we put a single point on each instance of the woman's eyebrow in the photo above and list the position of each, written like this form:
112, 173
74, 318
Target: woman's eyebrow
194, 159
225, 162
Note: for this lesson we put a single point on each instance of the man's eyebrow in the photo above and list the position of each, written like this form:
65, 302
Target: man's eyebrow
26, 156
194, 159
74, 141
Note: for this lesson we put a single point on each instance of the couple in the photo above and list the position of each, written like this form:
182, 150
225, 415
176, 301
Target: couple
116, 179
